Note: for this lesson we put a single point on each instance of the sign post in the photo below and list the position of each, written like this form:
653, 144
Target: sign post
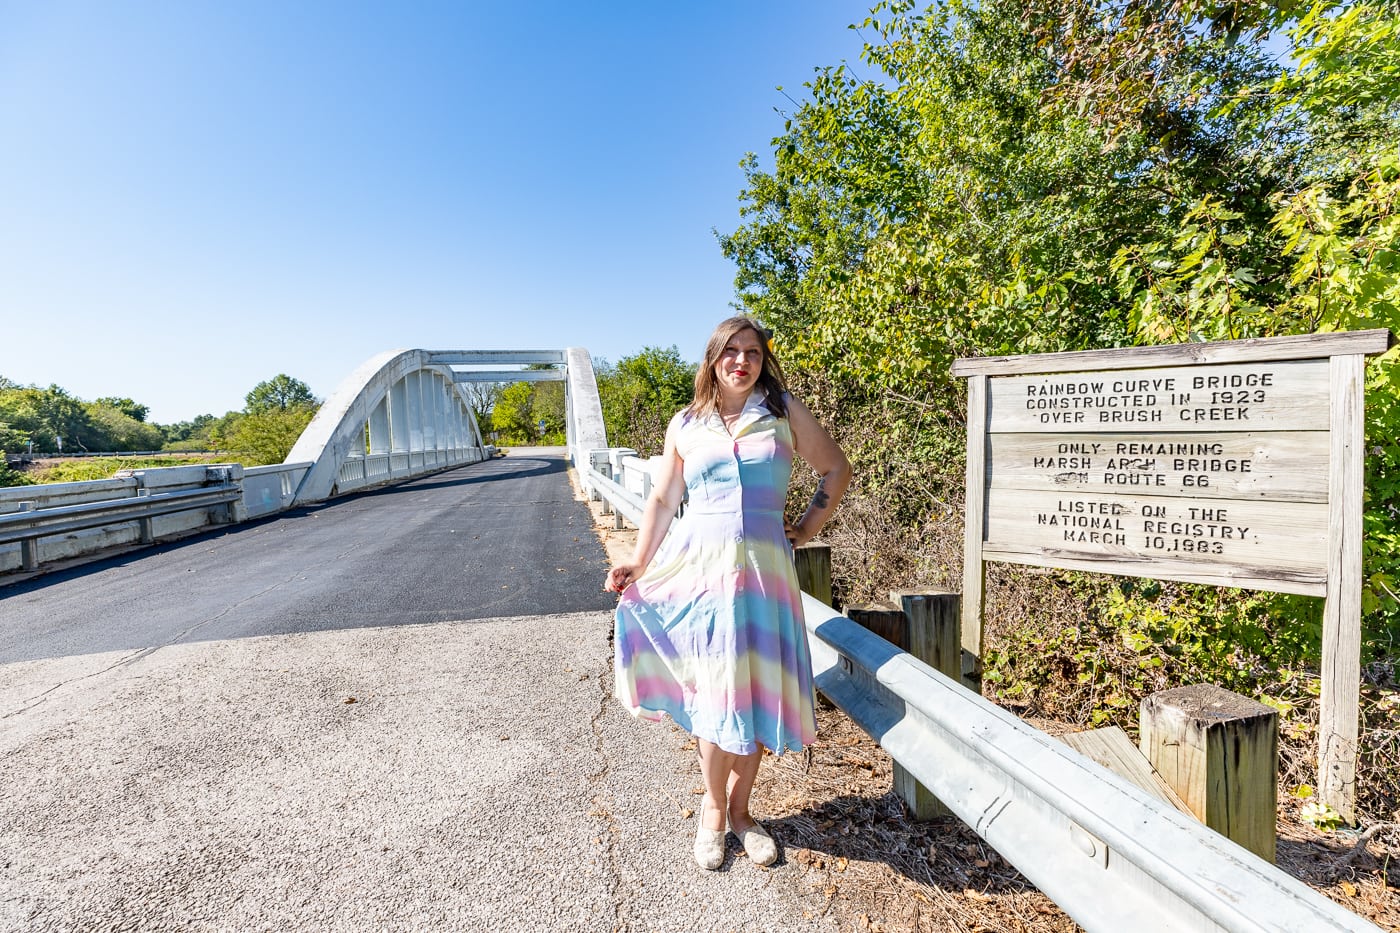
1237, 463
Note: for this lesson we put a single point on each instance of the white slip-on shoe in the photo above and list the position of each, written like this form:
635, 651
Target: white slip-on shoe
761, 848
709, 844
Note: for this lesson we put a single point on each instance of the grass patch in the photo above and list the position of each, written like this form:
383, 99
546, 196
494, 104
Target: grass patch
87, 469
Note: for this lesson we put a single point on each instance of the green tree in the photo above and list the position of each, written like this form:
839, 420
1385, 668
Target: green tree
482, 396
193, 432
514, 417
115, 429
12, 440
48, 414
9, 476
133, 410
547, 408
281, 392
276, 413
267, 436
640, 394
220, 430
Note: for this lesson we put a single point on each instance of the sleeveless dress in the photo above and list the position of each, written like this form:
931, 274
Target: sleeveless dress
712, 633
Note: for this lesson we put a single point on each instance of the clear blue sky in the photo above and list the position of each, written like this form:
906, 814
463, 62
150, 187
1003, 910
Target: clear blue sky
197, 196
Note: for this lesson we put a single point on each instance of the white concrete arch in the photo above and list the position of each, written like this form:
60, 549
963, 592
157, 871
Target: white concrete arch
403, 413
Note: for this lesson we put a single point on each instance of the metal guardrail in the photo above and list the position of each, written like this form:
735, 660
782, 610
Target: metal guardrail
29, 524
1108, 854
25, 455
72, 507
621, 479
627, 504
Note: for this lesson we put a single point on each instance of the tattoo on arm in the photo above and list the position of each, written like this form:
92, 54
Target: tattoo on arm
820, 499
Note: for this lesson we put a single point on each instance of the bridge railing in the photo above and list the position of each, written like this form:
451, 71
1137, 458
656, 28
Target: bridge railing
271, 489
364, 470
620, 479
57, 521
1110, 855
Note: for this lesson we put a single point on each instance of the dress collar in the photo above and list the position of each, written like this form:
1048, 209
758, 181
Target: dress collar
755, 409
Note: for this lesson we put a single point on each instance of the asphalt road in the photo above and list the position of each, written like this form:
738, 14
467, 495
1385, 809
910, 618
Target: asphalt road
501, 538
391, 713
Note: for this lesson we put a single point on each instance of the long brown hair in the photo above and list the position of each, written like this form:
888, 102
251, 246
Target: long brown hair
770, 377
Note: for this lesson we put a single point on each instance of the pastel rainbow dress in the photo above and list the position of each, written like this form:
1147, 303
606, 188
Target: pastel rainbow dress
712, 634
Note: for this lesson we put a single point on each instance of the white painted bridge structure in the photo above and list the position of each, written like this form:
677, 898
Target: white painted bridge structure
404, 413
1112, 856
399, 415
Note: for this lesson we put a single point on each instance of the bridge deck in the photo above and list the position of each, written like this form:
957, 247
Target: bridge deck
180, 752
499, 538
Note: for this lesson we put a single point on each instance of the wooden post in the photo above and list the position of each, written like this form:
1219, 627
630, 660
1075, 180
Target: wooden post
896, 626
975, 518
1111, 747
934, 620
884, 619
1219, 752
813, 561
932, 626
1337, 728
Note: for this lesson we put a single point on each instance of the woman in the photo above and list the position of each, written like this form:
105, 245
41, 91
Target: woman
709, 627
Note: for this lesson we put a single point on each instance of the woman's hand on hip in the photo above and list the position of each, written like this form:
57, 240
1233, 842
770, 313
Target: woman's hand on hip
796, 534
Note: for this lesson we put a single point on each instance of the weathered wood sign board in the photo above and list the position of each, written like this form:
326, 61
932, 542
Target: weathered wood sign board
1236, 463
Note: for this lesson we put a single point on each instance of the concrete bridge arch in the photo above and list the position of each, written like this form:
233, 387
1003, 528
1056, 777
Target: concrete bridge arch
404, 413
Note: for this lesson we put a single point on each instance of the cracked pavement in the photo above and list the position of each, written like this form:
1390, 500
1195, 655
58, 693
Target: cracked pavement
347, 722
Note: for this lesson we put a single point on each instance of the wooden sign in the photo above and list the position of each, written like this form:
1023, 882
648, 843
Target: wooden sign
1236, 463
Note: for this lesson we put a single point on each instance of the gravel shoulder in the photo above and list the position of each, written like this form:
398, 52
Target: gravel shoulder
423, 777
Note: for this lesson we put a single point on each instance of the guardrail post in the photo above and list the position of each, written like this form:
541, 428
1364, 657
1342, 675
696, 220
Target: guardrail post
232, 475
934, 619
615, 474
813, 561
928, 622
890, 623
615, 456
884, 619
29, 547
599, 460
147, 524
1219, 752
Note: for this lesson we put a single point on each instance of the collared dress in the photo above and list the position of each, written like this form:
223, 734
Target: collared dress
712, 633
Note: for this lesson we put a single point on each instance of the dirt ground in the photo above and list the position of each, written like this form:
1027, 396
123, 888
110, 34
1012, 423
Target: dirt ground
875, 869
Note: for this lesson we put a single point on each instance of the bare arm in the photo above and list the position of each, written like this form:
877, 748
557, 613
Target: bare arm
667, 491
822, 454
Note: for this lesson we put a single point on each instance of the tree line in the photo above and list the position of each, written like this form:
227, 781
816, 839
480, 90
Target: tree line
51, 420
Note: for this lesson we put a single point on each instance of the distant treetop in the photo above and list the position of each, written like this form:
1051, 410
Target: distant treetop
279, 392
